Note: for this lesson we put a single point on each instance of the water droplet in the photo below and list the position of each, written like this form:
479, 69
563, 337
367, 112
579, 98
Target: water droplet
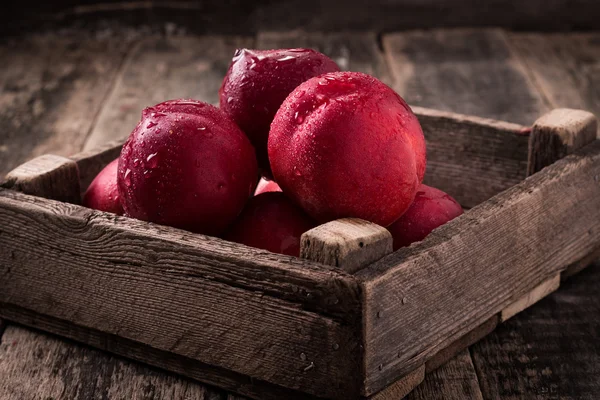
152, 160
298, 118
229, 100
151, 124
127, 177
220, 186
136, 162
324, 82
303, 356
146, 173
170, 131
201, 128
297, 172
287, 58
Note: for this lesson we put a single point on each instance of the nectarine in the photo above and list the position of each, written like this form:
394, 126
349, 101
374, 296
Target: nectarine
187, 165
102, 194
272, 222
258, 81
346, 145
430, 209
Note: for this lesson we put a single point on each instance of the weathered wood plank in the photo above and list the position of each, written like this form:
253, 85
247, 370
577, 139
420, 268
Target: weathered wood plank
471, 268
558, 133
549, 351
472, 158
163, 68
36, 366
257, 312
529, 299
48, 176
455, 380
467, 71
401, 387
51, 89
352, 51
349, 244
564, 67
190, 368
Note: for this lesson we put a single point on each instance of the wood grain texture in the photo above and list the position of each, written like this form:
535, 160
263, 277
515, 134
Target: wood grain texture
156, 285
455, 380
550, 351
51, 89
463, 343
247, 386
352, 51
564, 67
467, 71
472, 158
163, 68
558, 133
37, 366
349, 244
48, 176
401, 387
91, 162
529, 299
555, 213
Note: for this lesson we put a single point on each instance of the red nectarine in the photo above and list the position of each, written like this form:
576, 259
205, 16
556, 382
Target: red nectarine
346, 145
272, 222
258, 81
430, 209
102, 194
187, 165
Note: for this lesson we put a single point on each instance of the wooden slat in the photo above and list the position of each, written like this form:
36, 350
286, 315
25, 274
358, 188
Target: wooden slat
401, 387
471, 268
550, 351
472, 158
558, 133
455, 380
467, 71
535, 295
352, 51
251, 387
349, 244
37, 366
564, 67
48, 176
223, 304
51, 89
163, 68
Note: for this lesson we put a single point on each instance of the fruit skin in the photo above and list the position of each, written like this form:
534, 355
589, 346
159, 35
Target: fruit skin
272, 222
103, 194
258, 81
346, 145
265, 186
430, 209
187, 165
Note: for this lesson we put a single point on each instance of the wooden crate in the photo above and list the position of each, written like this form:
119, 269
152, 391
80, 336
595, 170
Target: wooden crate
347, 320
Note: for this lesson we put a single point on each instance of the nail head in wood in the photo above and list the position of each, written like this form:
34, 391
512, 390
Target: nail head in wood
348, 243
557, 134
49, 176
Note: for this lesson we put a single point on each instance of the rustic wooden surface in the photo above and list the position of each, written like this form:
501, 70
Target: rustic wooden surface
560, 203
549, 351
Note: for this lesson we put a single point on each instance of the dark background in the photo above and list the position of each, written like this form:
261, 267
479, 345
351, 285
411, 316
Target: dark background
239, 16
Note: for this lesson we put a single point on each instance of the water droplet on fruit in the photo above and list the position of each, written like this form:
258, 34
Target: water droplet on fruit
151, 124
297, 172
298, 118
324, 82
229, 100
136, 162
127, 177
201, 128
152, 160
220, 186
146, 173
288, 58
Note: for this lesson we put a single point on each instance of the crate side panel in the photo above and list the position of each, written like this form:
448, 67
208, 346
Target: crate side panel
250, 313
420, 299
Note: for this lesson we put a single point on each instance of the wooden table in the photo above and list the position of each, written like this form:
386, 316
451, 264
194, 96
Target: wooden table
69, 90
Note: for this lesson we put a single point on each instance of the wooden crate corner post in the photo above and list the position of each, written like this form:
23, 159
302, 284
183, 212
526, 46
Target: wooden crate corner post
49, 176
